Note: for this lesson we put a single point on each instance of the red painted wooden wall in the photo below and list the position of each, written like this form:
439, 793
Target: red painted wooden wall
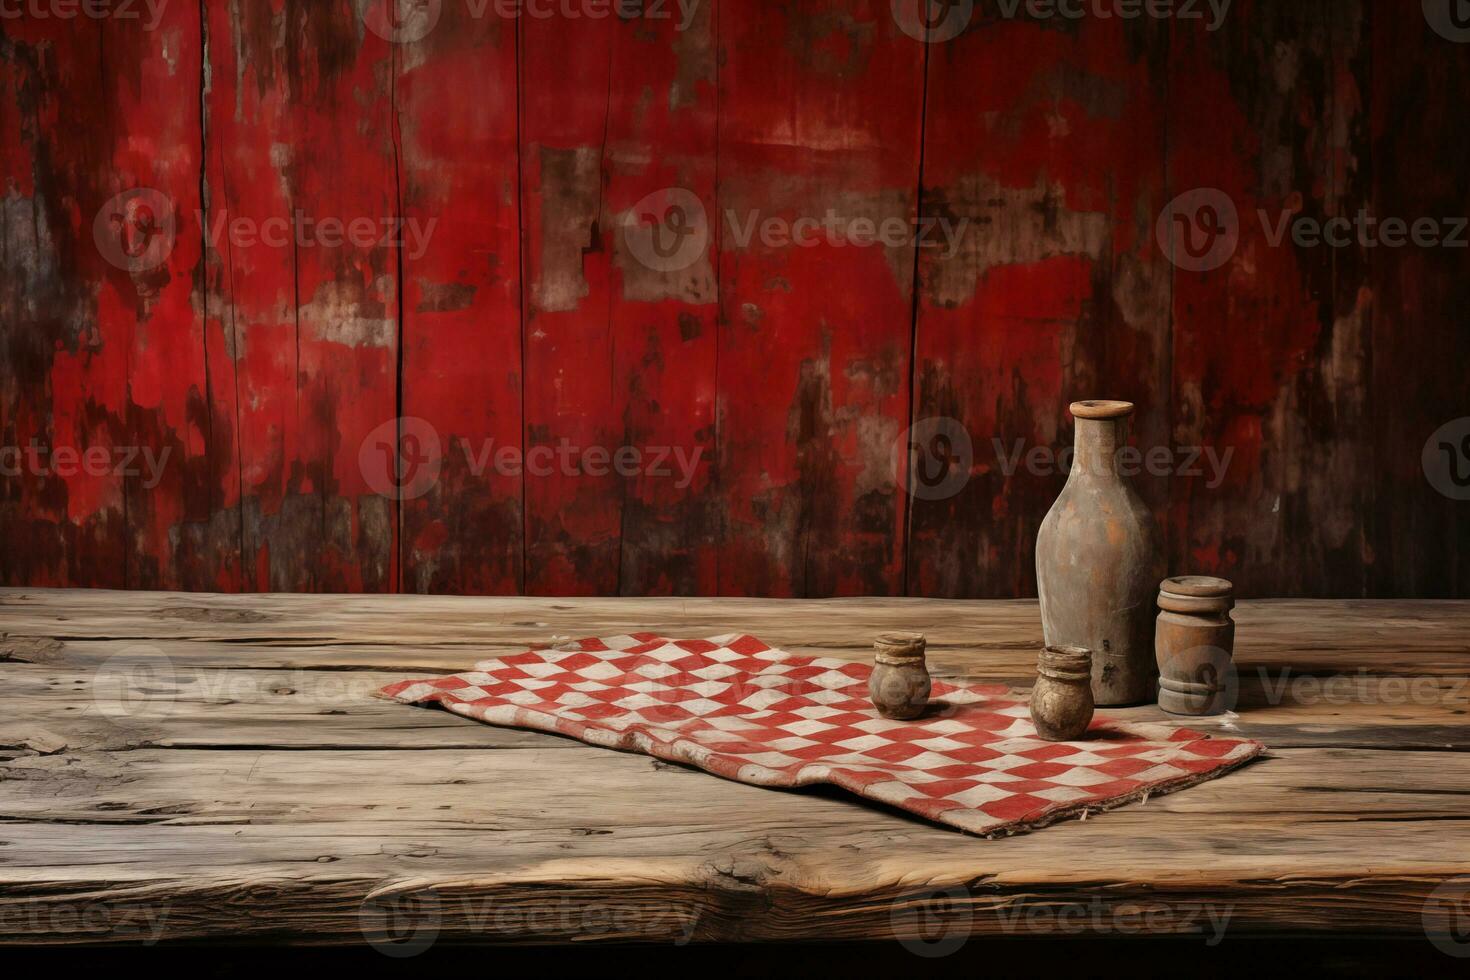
385, 295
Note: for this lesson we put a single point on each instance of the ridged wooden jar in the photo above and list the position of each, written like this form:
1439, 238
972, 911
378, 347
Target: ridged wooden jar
1194, 641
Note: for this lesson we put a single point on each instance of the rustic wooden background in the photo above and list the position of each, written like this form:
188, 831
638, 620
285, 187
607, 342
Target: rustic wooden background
263, 370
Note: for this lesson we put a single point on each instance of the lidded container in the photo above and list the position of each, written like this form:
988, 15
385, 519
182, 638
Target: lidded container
1194, 641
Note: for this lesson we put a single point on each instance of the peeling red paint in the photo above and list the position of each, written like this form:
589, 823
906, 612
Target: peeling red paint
528, 318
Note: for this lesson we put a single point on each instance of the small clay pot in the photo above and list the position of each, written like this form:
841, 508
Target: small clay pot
1062, 702
1194, 642
899, 684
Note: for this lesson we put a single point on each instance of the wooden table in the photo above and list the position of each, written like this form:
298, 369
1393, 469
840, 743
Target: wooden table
254, 789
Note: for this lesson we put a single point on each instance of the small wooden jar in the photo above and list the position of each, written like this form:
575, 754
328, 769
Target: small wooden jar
1062, 702
899, 685
1194, 642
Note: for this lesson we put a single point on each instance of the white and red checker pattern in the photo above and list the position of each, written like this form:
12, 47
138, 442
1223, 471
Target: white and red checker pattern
738, 708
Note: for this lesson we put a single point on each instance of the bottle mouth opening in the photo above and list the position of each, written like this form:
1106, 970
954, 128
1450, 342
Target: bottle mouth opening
1102, 409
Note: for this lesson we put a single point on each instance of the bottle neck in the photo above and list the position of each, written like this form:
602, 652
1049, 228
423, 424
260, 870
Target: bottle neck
900, 649
1097, 442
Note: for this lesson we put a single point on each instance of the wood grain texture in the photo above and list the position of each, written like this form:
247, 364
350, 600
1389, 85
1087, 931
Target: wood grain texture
1271, 350
1031, 155
462, 347
820, 121
1419, 535
252, 788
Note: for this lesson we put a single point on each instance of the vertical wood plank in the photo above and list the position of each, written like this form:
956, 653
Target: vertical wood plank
1420, 341
70, 299
619, 344
1048, 140
344, 167
300, 145
665, 315
179, 527
464, 531
1271, 346
820, 118
571, 518
250, 294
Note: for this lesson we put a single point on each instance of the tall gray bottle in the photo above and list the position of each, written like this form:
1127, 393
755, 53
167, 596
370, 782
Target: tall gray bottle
1098, 563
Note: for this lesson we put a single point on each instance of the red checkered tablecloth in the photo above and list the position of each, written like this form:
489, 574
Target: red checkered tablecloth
738, 708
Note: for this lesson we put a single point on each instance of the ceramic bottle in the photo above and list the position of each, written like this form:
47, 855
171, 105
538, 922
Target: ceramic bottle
1098, 562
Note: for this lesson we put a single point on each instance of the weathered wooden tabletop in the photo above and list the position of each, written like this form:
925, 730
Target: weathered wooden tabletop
184, 766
